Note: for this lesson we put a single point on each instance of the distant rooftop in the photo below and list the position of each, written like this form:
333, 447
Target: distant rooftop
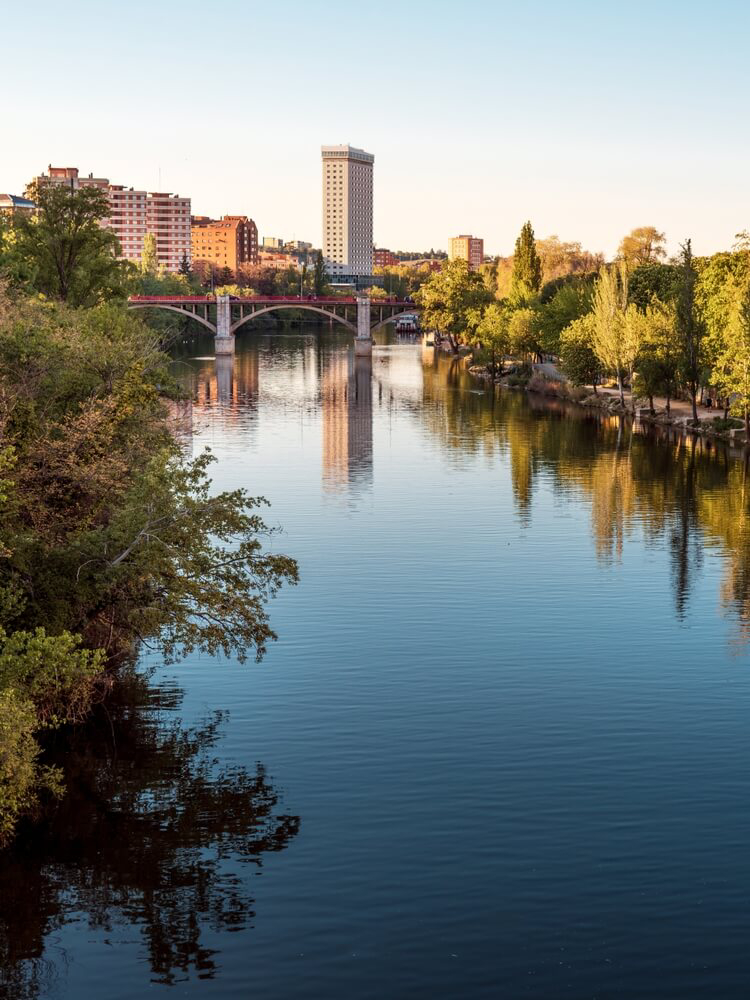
15, 201
350, 152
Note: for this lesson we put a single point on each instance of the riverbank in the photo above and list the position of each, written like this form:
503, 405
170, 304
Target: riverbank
547, 380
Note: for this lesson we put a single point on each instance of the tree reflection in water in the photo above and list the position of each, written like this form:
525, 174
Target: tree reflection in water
152, 834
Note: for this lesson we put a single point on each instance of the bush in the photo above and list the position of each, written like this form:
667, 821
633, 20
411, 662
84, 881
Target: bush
720, 425
546, 386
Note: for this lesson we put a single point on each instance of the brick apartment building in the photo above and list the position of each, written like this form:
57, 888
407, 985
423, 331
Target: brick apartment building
133, 214
384, 258
231, 241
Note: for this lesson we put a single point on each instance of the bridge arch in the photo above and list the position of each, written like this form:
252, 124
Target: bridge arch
302, 305
392, 319
175, 309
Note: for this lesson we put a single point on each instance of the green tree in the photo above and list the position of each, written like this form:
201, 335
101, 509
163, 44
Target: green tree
577, 356
653, 281
644, 245
320, 276
225, 276
452, 301
185, 269
149, 255
526, 278
491, 333
690, 328
732, 369
658, 351
571, 301
69, 254
523, 332
612, 336
109, 534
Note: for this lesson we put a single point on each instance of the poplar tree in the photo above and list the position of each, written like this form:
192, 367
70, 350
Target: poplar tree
732, 369
149, 255
690, 328
320, 276
526, 279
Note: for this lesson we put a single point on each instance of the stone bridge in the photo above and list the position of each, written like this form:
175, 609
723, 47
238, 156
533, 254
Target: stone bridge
223, 315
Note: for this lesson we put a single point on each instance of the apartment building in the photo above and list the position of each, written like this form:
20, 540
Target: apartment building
468, 248
133, 214
230, 241
347, 211
384, 258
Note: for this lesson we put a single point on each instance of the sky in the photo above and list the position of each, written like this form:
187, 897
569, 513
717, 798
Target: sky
586, 120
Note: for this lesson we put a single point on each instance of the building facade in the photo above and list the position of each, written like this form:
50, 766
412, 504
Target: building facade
347, 211
13, 204
133, 214
273, 243
384, 258
227, 242
468, 248
278, 261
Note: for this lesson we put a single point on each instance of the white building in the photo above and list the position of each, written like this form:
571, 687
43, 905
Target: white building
347, 211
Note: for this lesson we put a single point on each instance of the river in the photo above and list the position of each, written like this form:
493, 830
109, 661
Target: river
499, 750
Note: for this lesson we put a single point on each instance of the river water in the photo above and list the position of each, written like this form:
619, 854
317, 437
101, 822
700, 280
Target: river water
500, 748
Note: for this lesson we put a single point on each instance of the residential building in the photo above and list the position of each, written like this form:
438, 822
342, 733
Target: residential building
298, 246
11, 204
347, 211
278, 261
468, 248
273, 243
227, 242
133, 214
384, 258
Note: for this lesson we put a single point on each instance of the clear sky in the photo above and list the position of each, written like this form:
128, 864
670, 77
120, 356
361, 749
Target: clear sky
587, 117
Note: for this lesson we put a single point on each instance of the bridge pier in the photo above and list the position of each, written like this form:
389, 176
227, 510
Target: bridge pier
224, 339
363, 340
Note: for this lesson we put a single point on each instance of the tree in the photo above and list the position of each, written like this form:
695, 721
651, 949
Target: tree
109, 534
523, 331
149, 255
644, 245
452, 301
491, 333
185, 266
578, 358
732, 369
526, 279
612, 340
658, 355
560, 259
570, 302
690, 327
69, 254
225, 276
653, 281
320, 275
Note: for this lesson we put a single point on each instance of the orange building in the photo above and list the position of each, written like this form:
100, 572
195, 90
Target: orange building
468, 248
227, 242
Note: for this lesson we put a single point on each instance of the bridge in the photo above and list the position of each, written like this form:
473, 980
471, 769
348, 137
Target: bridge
223, 315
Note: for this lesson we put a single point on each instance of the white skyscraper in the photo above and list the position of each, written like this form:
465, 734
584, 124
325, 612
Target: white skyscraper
347, 211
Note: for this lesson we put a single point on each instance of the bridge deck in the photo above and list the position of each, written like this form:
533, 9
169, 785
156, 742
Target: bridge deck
328, 300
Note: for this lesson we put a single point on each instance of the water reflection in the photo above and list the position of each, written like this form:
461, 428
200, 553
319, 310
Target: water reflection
152, 835
346, 396
690, 492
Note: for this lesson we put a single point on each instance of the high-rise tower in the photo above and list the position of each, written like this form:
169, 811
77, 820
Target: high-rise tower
347, 211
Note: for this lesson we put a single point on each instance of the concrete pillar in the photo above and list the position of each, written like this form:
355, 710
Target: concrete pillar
224, 340
363, 340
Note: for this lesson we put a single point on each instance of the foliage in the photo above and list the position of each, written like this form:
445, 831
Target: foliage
319, 276
526, 279
452, 301
523, 331
149, 255
569, 303
733, 363
653, 281
69, 255
644, 245
492, 333
690, 328
658, 357
614, 331
577, 355
109, 535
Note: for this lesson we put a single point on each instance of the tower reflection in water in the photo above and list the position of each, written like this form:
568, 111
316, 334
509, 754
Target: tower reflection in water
346, 395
